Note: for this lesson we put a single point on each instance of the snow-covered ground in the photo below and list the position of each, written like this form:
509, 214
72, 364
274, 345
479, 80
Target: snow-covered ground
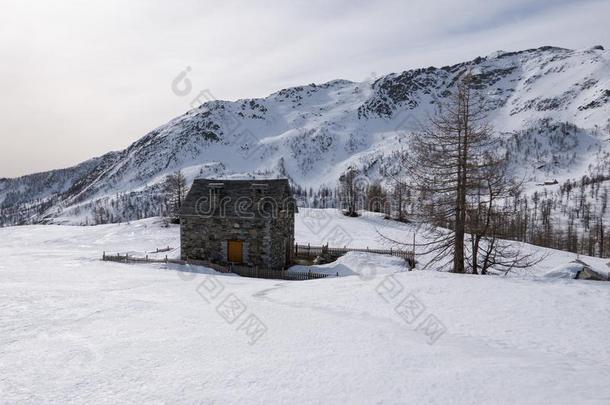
74, 329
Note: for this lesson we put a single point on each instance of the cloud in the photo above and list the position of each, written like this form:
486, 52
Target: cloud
81, 78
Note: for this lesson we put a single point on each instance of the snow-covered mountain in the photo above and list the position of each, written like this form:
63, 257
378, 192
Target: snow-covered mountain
551, 106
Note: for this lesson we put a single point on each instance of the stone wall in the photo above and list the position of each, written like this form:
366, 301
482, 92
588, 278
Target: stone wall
268, 236
206, 239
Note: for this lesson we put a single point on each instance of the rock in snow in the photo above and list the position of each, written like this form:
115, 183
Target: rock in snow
578, 269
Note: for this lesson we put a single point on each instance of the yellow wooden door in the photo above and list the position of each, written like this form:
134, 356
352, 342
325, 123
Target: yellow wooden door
236, 251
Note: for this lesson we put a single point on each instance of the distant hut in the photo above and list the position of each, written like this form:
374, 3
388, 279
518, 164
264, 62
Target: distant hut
246, 222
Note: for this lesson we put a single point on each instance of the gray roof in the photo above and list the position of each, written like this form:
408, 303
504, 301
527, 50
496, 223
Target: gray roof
236, 191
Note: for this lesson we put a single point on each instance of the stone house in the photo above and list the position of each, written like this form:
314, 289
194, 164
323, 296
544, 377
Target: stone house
246, 222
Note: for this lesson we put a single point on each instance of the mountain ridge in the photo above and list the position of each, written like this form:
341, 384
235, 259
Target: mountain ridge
312, 133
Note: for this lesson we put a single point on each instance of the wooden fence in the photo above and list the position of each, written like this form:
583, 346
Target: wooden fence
255, 272
300, 252
163, 250
243, 271
308, 251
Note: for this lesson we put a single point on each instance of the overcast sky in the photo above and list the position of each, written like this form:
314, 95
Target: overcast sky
81, 78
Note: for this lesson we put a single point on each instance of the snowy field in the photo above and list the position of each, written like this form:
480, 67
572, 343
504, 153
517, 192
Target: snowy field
74, 329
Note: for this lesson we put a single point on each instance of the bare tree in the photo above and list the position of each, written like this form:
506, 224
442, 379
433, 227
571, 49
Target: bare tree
176, 189
401, 196
376, 198
461, 181
350, 192
445, 161
486, 218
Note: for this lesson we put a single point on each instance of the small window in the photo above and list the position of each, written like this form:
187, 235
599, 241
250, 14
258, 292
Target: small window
215, 188
259, 188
